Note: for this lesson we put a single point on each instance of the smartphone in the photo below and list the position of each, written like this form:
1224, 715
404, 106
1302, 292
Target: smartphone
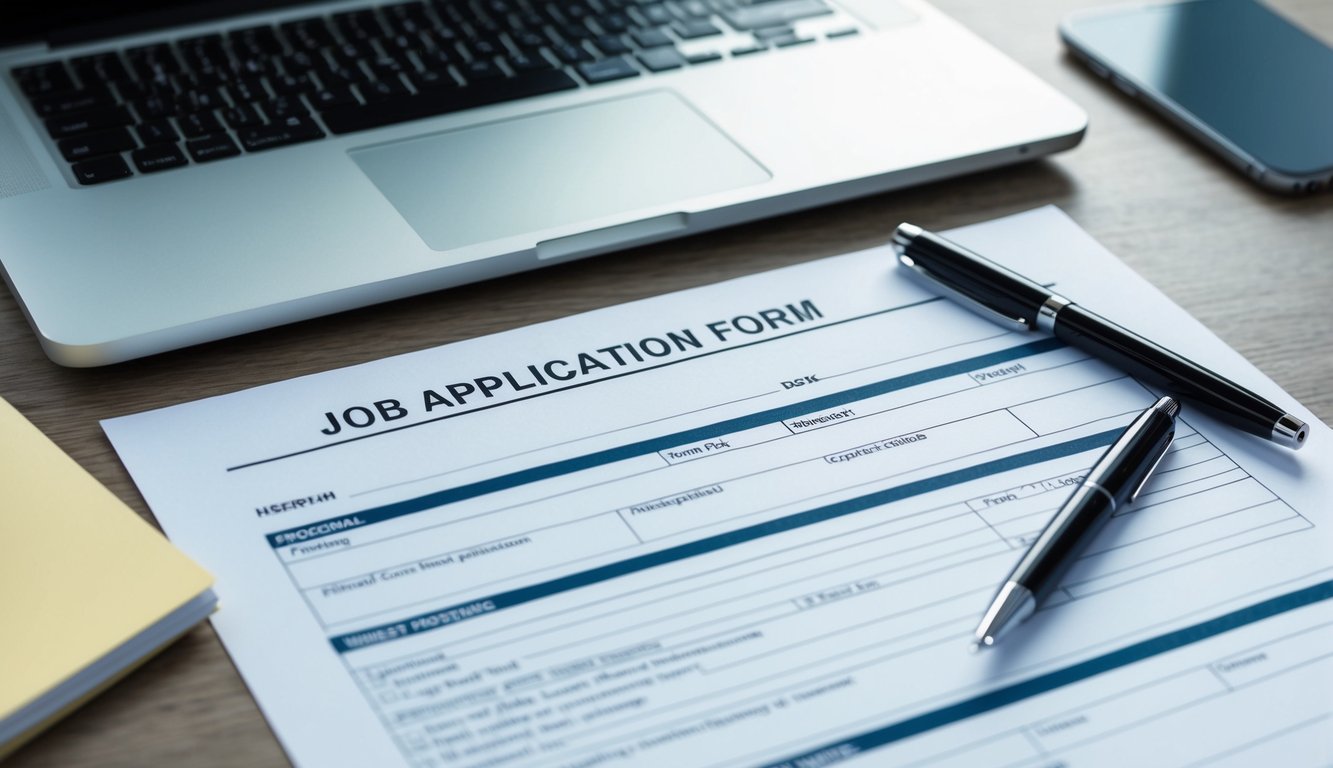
1248, 83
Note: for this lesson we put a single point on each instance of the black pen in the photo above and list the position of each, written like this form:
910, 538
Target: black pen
1115, 480
1019, 303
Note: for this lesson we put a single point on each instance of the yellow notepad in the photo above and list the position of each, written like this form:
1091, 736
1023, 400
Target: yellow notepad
88, 590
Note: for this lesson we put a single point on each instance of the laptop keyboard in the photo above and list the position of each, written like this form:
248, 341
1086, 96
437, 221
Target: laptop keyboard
200, 99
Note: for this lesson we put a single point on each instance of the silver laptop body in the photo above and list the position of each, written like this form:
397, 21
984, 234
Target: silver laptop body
854, 97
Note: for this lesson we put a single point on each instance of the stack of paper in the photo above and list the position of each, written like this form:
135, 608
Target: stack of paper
88, 590
756, 523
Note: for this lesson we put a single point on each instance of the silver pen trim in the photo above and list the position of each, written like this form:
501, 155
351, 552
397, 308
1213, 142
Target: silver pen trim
1168, 406
1049, 309
1290, 431
1097, 487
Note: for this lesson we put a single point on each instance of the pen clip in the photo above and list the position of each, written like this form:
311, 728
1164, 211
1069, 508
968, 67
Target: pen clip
936, 284
1151, 470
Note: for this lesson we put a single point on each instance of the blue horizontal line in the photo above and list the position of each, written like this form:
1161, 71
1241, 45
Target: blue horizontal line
344, 523
454, 614
880, 737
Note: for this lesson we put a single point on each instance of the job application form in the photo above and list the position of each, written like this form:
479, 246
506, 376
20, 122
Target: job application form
755, 524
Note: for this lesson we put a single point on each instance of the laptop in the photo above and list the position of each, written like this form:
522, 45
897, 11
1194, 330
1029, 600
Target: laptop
173, 172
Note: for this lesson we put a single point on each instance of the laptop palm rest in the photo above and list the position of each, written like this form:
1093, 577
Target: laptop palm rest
557, 168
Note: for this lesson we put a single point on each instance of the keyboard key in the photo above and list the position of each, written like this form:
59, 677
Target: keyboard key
64, 126
694, 9
401, 44
198, 124
429, 80
347, 119
290, 85
284, 107
747, 50
263, 39
44, 79
611, 45
704, 57
101, 169
483, 49
202, 100
133, 90
521, 62
787, 42
289, 131
773, 33
300, 62
105, 142
661, 59
575, 32
251, 66
571, 54
214, 147
529, 40
606, 70
307, 34
358, 25
203, 52
344, 76
100, 68
204, 78
847, 32
381, 90
436, 58
154, 107
650, 38
614, 22
73, 101
480, 71
407, 18
151, 62
156, 132
695, 28
772, 14
654, 14
385, 67
158, 157
242, 116
332, 97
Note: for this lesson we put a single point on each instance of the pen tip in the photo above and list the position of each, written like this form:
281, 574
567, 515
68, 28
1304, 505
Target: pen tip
980, 643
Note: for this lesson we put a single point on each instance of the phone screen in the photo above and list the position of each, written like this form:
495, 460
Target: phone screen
1236, 66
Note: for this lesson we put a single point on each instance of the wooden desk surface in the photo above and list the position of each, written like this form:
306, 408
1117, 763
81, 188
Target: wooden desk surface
1254, 267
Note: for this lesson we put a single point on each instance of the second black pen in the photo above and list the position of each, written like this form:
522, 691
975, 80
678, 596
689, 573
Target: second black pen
1114, 481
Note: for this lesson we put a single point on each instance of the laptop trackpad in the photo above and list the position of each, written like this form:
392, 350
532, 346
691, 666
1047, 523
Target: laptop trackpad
567, 166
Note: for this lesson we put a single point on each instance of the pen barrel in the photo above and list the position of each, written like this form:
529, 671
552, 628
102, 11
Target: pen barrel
978, 278
1155, 365
1111, 484
1058, 545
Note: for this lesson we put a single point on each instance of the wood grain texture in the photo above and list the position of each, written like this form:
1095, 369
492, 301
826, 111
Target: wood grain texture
1254, 267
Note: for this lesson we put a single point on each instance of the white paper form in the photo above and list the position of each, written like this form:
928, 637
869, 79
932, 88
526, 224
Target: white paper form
751, 523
